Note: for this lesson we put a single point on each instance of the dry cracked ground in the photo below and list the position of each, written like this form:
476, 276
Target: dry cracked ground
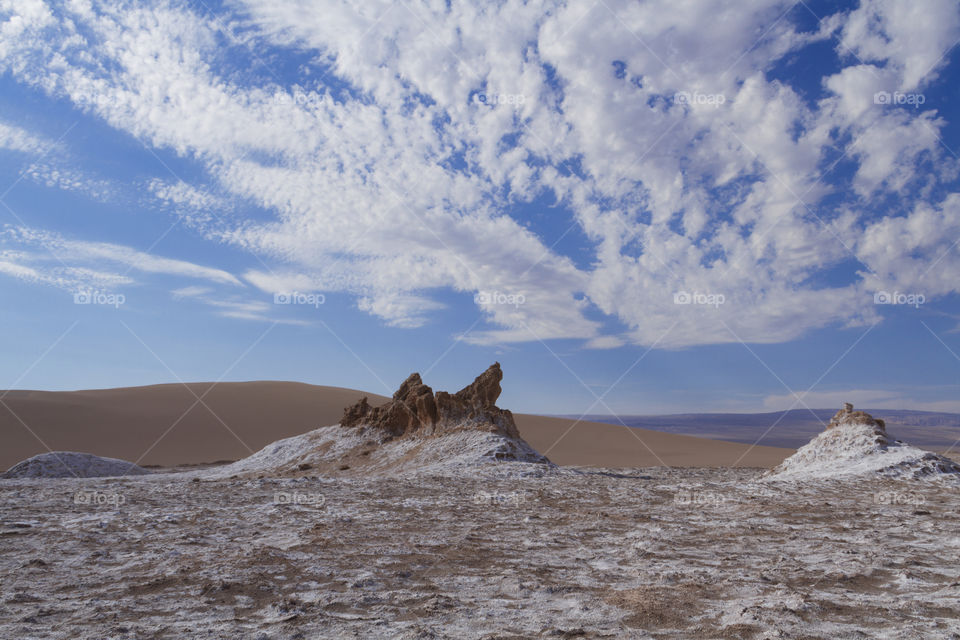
652, 553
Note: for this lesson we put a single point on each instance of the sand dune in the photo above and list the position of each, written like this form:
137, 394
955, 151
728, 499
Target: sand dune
166, 425
598, 444
125, 423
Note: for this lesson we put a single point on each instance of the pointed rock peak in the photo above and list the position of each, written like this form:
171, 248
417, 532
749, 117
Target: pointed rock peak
413, 380
415, 408
484, 390
412, 387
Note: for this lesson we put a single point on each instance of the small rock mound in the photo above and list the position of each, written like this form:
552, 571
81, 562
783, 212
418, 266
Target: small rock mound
856, 443
71, 464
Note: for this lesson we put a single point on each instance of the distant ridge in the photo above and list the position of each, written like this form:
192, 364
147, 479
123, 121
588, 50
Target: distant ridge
794, 428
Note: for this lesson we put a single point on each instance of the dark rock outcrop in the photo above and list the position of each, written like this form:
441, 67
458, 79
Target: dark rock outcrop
416, 409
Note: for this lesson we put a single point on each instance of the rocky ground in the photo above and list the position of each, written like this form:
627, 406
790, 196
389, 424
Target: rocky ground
651, 553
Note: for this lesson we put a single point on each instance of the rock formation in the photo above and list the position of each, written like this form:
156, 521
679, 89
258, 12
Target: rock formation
855, 442
847, 416
416, 432
416, 409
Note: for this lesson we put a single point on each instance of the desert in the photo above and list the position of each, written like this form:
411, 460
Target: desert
479, 320
429, 516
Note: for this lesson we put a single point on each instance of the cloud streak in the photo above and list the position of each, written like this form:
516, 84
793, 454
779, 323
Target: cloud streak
48, 257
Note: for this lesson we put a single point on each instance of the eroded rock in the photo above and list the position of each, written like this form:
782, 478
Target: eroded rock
847, 415
416, 409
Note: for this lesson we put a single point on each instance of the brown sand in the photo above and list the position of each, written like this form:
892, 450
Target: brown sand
596, 444
236, 418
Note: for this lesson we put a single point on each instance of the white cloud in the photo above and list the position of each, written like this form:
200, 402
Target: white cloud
191, 292
400, 310
14, 138
19, 271
180, 193
234, 306
68, 179
281, 282
912, 37
241, 309
54, 259
51, 167
415, 185
41, 269
915, 252
605, 342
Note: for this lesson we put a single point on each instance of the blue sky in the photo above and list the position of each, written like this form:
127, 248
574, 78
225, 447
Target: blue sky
634, 207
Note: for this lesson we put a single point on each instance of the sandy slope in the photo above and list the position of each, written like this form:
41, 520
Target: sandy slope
605, 445
124, 423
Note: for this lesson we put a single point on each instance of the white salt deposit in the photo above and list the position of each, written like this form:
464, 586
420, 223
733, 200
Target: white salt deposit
71, 464
856, 444
448, 453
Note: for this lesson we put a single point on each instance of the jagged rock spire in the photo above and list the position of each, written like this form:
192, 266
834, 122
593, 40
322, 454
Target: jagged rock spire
416, 409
